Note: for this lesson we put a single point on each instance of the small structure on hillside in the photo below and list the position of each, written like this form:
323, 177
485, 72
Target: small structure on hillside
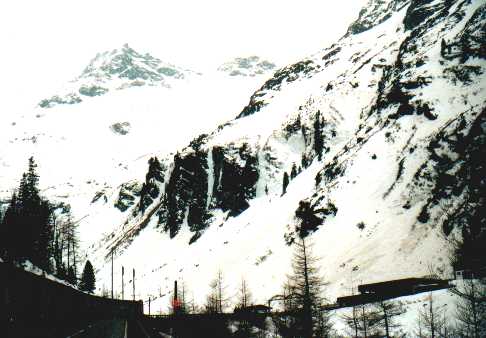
253, 309
469, 273
376, 292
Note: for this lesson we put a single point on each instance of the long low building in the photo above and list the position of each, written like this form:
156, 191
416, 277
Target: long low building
375, 292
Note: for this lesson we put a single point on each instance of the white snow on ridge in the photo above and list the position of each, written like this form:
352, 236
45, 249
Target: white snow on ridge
372, 188
79, 153
377, 157
252, 244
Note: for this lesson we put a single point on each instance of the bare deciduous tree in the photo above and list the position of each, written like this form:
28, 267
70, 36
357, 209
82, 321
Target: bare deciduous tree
304, 293
244, 295
352, 320
386, 312
431, 319
471, 308
217, 301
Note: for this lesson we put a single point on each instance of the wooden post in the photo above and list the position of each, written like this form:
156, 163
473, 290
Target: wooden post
175, 291
133, 283
112, 274
149, 306
123, 283
175, 301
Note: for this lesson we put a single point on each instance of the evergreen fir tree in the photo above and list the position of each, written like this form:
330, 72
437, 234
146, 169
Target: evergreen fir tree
2, 235
443, 47
43, 243
285, 183
61, 271
318, 139
71, 276
293, 172
304, 161
88, 281
11, 239
27, 225
155, 171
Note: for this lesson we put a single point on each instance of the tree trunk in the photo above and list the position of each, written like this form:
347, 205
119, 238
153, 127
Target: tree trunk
432, 322
69, 255
365, 329
74, 261
385, 316
308, 322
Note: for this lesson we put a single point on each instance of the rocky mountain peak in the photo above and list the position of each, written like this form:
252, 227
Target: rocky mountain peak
127, 63
118, 69
247, 66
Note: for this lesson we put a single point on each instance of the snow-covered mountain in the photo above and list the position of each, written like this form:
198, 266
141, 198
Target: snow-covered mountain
247, 66
397, 107
376, 132
93, 148
118, 69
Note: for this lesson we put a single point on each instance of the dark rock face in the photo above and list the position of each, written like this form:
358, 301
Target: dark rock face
401, 81
375, 13
473, 40
150, 189
418, 12
121, 128
455, 183
67, 99
186, 192
129, 192
234, 184
462, 178
288, 74
92, 90
205, 178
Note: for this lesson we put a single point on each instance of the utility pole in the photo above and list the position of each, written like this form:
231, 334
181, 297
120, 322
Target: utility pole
123, 283
149, 306
133, 283
112, 273
183, 299
175, 302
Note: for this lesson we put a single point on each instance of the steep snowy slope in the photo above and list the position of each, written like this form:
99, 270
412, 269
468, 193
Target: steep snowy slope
371, 123
85, 151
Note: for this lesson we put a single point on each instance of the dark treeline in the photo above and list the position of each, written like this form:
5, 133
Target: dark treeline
27, 226
301, 303
36, 230
303, 313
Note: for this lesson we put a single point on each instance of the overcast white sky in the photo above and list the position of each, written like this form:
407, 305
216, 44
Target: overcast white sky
45, 43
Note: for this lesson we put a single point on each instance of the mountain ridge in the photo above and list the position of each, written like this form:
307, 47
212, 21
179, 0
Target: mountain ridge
396, 105
379, 135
